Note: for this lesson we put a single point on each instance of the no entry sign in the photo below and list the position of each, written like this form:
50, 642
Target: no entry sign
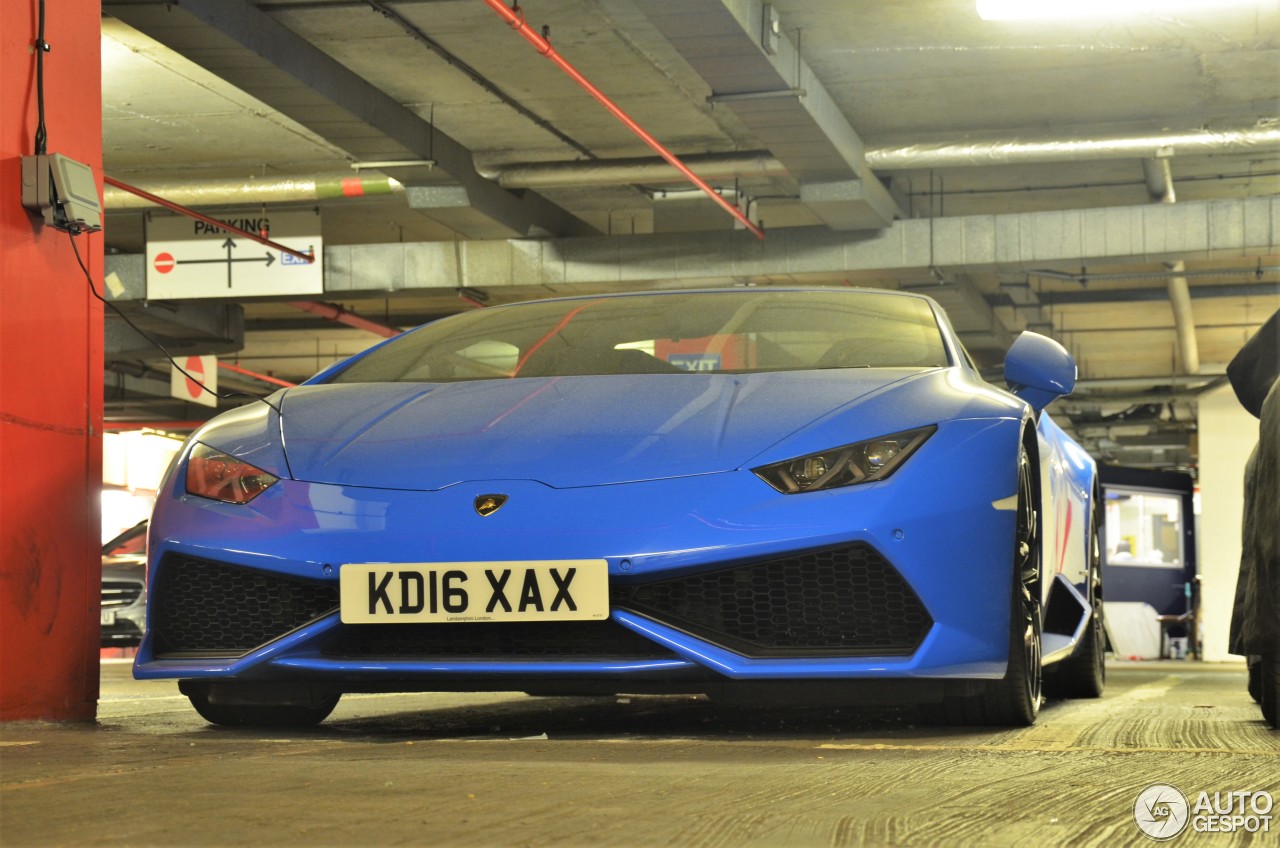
202, 373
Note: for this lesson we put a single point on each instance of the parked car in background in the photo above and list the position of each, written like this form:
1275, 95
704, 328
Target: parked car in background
124, 588
799, 495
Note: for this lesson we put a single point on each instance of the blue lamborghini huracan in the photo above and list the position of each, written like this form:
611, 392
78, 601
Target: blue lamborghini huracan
752, 493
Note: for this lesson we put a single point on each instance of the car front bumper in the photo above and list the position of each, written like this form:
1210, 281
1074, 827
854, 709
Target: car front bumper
937, 535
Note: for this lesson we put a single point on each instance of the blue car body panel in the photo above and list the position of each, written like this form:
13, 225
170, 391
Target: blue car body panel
542, 428
651, 473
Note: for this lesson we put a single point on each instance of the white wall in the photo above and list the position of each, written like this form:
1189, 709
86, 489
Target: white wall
1227, 434
133, 464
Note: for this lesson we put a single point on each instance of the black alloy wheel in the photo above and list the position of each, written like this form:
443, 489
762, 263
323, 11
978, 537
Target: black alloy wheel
1015, 699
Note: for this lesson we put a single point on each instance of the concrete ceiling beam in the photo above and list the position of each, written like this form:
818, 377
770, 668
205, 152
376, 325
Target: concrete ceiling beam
1015, 243
251, 50
754, 69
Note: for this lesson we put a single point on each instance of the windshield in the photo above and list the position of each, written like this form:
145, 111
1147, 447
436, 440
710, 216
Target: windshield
734, 331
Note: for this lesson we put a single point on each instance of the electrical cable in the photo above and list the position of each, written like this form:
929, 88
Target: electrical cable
41, 148
120, 314
41, 47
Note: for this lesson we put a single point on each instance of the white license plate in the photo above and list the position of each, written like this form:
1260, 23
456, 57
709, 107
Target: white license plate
555, 590
108, 618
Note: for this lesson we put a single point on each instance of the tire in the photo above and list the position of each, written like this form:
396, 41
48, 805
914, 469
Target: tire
260, 715
1084, 674
1014, 700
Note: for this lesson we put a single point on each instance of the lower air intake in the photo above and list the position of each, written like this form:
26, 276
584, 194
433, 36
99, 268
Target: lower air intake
497, 641
208, 608
839, 602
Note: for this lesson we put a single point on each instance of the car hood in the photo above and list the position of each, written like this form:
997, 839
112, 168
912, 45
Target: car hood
131, 567
563, 431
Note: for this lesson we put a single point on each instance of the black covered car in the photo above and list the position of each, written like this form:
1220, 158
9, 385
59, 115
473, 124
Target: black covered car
1255, 622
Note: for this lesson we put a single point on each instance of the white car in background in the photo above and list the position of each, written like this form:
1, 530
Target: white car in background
124, 588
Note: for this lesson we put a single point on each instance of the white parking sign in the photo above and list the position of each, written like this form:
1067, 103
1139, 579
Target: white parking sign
188, 258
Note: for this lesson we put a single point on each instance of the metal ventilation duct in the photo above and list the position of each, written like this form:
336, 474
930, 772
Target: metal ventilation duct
202, 193
1262, 139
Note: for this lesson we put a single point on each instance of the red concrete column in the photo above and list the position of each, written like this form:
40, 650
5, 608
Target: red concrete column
50, 379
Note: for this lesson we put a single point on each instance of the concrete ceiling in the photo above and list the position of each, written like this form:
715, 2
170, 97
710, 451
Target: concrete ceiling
1011, 165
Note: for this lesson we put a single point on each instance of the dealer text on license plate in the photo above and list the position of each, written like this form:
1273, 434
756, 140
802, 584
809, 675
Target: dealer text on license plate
556, 590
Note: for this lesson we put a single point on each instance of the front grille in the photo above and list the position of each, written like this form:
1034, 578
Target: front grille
120, 593
210, 608
516, 641
846, 601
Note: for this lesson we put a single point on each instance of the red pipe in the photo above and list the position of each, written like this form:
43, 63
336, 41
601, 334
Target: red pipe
254, 374
515, 18
342, 316
548, 336
191, 213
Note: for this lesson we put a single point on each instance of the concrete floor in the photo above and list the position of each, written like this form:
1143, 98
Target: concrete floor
512, 770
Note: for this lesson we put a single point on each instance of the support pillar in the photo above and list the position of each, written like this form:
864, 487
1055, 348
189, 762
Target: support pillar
50, 379
1227, 434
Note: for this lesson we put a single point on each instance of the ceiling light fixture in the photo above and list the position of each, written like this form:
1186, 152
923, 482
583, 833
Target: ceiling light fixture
384, 164
1022, 10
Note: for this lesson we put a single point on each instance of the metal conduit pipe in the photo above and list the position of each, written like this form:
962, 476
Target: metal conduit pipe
514, 17
1159, 178
717, 166
1096, 389
1263, 137
544, 175
334, 312
266, 378
1184, 320
166, 203
1257, 271
230, 192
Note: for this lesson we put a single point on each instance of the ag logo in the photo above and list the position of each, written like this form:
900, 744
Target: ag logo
1161, 811
487, 505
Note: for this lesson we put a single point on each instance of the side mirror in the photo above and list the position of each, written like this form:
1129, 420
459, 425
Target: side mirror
1039, 370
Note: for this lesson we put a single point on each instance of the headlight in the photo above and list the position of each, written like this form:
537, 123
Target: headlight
213, 474
863, 462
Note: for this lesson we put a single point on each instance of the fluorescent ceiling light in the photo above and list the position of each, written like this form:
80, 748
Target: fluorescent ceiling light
1015, 10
